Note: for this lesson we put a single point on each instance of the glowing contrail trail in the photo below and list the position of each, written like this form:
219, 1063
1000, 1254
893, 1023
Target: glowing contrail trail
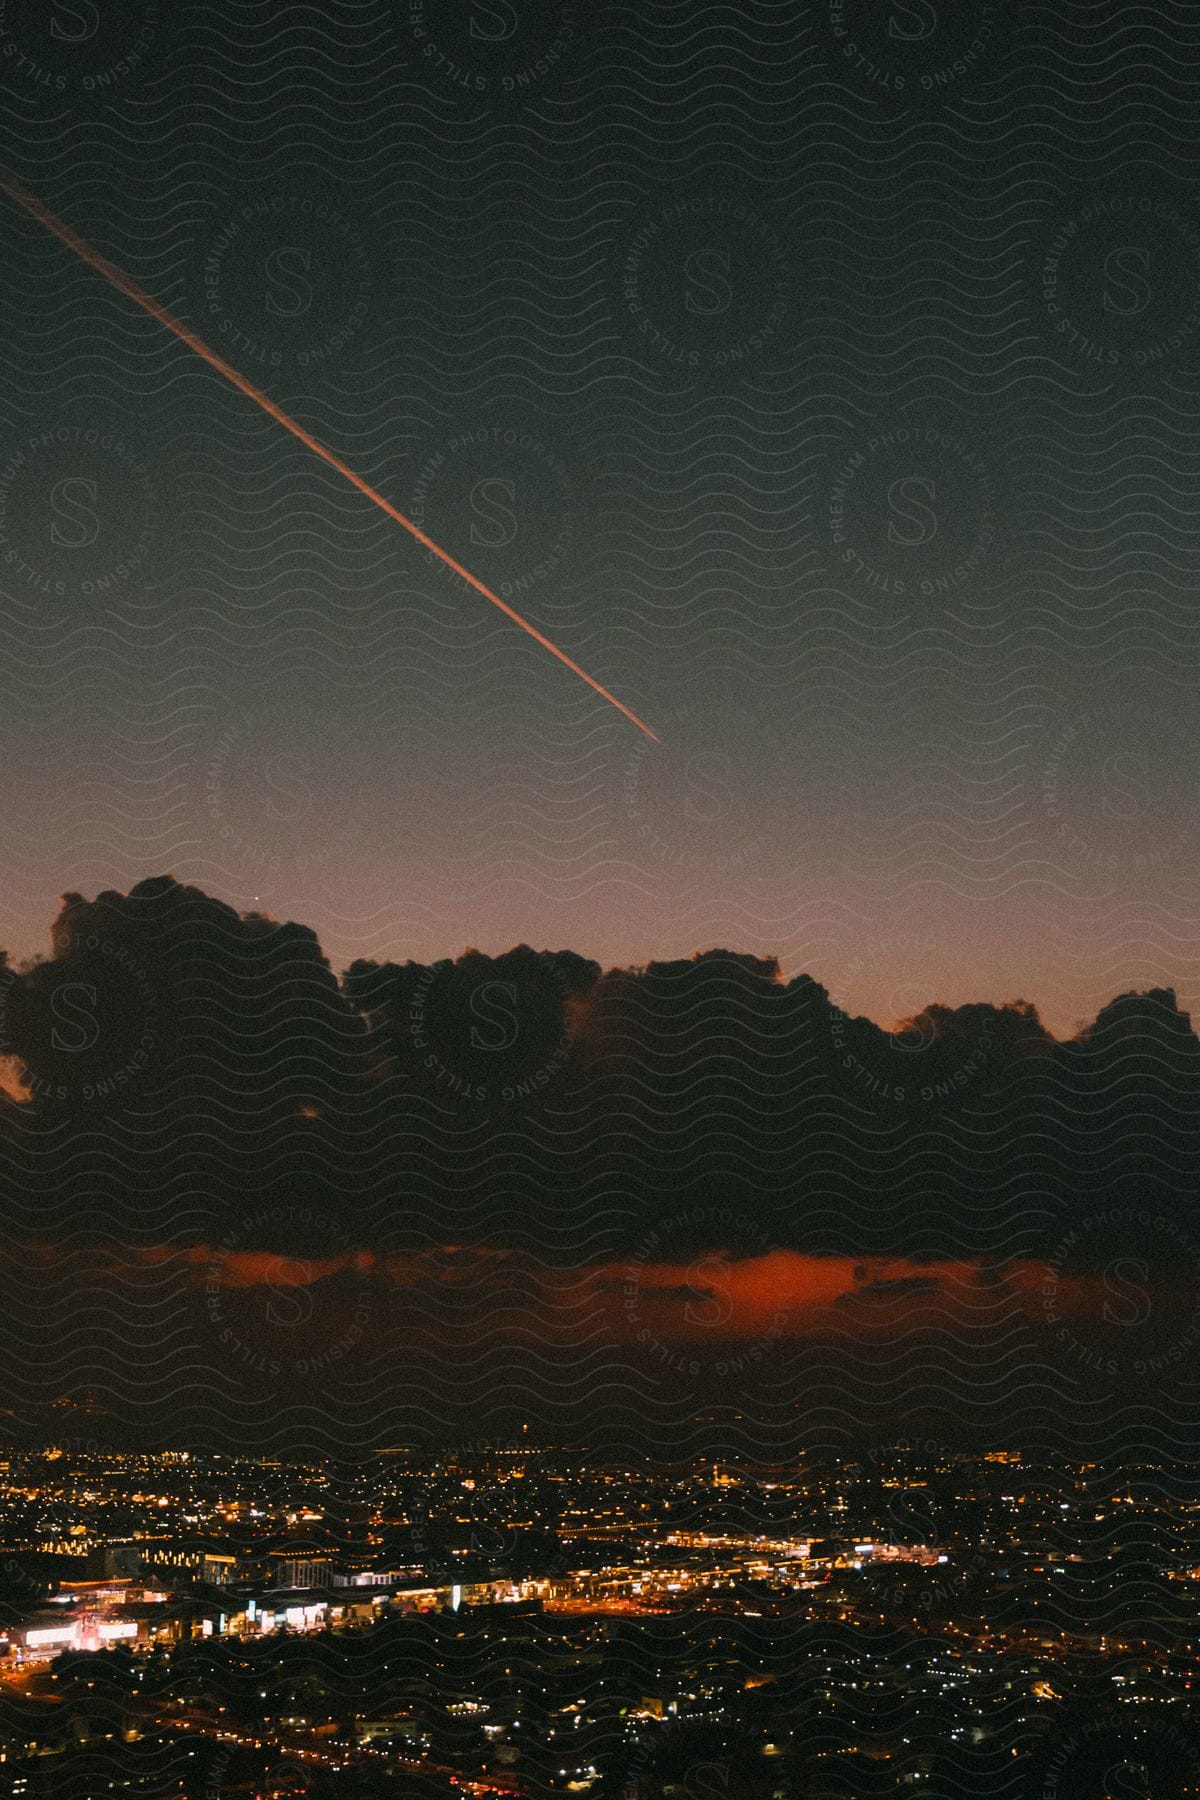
36, 209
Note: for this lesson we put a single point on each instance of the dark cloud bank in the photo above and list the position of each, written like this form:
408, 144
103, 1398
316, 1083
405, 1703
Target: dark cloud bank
181, 1076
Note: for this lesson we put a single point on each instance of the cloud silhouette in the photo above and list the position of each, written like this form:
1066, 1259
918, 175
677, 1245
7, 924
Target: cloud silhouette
496, 1147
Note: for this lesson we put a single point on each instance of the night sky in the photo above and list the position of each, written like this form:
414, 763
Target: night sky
824, 379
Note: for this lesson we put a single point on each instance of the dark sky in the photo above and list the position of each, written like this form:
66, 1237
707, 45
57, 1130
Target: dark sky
833, 405
822, 378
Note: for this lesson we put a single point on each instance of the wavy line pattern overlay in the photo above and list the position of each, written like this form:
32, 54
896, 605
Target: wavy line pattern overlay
753, 1350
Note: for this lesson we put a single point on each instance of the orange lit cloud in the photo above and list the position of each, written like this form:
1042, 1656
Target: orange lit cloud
14, 1084
789, 1292
508, 1295
267, 1268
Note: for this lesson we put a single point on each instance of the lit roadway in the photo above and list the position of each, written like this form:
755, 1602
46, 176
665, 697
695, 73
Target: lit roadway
349, 1758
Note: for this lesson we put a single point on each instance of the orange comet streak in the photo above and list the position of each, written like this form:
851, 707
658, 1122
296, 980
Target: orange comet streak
30, 204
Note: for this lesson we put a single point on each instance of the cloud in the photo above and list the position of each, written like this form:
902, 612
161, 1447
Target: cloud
172, 1058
